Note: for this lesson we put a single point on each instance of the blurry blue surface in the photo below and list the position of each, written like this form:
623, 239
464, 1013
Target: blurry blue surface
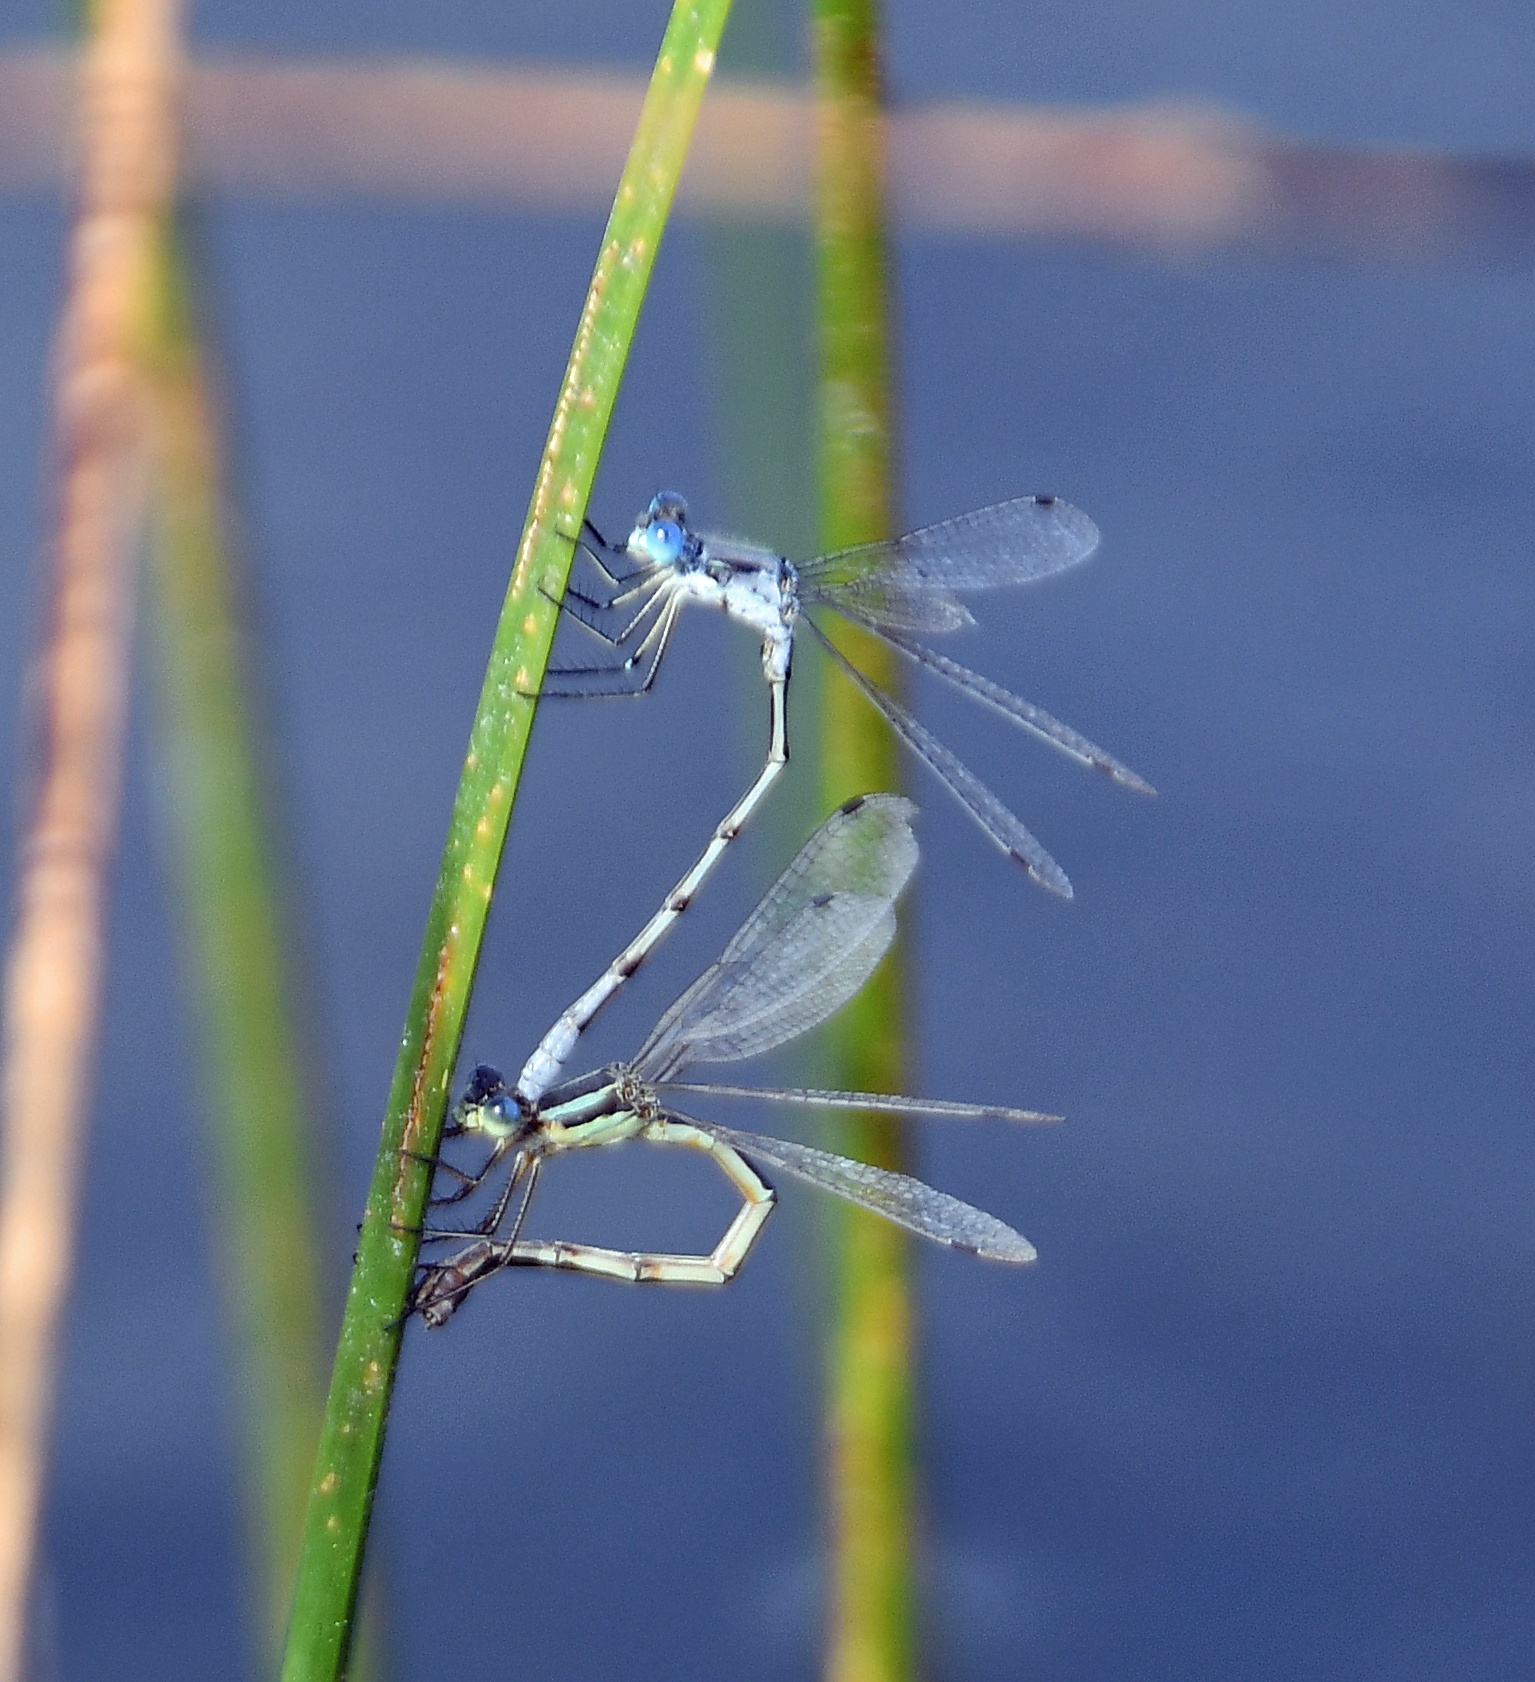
1263, 1407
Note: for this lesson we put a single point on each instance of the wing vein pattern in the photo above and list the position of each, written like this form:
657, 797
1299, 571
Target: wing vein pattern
812, 942
897, 1197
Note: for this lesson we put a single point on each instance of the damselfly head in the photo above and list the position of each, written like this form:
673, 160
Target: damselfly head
489, 1105
667, 505
662, 533
485, 1083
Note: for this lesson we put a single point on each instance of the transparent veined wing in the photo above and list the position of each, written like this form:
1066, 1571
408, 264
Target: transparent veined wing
905, 583
889, 605
897, 1197
1011, 707
820, 960
810, 944
872, 1103
865, 847
967, 788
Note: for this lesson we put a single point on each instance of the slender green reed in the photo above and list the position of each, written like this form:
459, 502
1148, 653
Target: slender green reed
346, 1472
260, 1115
759, 314
870, 1475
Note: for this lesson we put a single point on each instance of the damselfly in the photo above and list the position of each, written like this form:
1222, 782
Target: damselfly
807, 948
891, 589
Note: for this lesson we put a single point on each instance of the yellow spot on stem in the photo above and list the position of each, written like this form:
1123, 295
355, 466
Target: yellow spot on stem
329, 1484
529, 625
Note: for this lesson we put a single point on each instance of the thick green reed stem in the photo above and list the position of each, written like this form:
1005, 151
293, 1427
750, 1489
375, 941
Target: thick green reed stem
341, 1496
870, 1474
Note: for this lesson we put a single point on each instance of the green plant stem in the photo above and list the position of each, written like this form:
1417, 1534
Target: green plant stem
759, 309
351, 1444
870, 1476
253, 1067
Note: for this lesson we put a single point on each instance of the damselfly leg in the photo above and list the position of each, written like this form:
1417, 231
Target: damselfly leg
635, 673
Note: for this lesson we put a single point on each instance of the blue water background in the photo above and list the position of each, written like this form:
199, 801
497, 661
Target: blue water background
1264, 1407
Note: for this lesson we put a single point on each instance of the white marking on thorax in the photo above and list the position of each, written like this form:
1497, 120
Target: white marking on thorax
757, 590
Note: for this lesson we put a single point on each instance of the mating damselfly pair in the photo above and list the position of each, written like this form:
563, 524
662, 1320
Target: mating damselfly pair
811, 943
815, 937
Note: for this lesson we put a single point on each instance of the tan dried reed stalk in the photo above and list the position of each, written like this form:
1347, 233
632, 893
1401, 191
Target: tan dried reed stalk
79, 691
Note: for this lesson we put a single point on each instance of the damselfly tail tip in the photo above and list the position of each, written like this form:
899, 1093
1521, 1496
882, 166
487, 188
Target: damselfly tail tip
438, 1295
1019, 1118
1015, 1249
1126, 778
1048, 874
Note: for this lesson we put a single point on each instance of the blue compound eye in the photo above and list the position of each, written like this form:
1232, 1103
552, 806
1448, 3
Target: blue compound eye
663, 538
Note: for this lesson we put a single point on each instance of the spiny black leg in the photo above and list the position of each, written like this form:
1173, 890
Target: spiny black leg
469, 1184
524, 1164
598, 548
437, 1164
578, 605
433, 1234
650, 650
574, 593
